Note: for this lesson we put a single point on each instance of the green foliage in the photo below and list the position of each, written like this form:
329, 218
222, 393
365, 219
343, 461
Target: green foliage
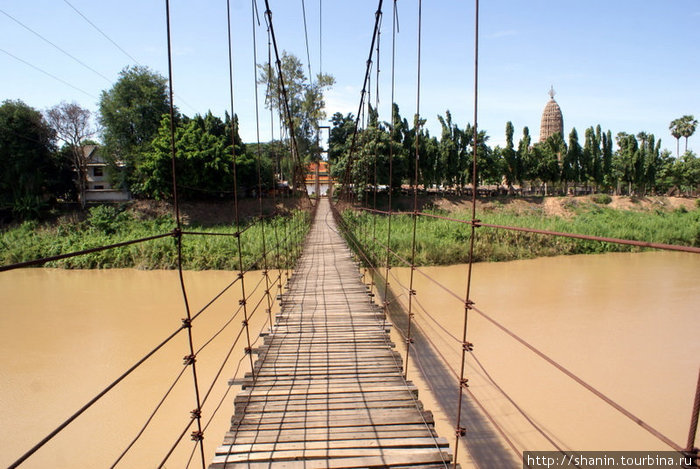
110, 225
602, 199
445, 242
203, 159
107, 218
304, 108
130, 115
30, 170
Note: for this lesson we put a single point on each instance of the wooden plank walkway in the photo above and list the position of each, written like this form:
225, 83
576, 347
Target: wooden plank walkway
328, 389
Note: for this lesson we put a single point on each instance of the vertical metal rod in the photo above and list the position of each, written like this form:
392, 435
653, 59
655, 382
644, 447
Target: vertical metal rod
391, 162
191, 358
690, 448
241, 273
466, 346
257, 167
416, 125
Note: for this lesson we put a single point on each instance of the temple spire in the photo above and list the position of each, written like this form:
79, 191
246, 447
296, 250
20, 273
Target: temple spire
552, 92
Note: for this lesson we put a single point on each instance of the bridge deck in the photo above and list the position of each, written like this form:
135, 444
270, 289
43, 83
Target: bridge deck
328, 388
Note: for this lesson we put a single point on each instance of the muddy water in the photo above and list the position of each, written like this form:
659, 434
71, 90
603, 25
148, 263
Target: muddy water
65, 335
625, 323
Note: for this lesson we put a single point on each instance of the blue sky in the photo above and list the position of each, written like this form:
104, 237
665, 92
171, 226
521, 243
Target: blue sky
626, 65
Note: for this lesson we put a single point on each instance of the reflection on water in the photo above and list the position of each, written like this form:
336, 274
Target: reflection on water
626, 323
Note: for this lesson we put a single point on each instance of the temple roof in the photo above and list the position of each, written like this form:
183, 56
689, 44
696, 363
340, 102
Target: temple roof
552, 119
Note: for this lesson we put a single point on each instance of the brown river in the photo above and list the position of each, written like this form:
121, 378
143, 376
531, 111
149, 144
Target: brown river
624, 323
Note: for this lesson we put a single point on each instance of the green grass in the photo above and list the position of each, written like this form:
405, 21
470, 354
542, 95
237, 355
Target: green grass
107, 225
441, 242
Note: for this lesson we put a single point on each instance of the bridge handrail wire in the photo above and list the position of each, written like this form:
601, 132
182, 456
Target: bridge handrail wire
478, 223
473, 355
416, 352
58, 257
552, 362
113, 384
346, 230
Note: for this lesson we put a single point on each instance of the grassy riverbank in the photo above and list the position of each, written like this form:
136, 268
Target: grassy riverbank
441, 242
106, 225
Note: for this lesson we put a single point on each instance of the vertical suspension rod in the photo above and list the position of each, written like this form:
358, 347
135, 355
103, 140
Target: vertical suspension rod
394, 23
241, 273
348, 168
197, 436
690, 448
416, 125
466, 346
287, 112
258, 164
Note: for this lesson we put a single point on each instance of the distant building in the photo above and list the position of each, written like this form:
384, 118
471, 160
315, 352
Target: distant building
552, 119
318, 178
99, 188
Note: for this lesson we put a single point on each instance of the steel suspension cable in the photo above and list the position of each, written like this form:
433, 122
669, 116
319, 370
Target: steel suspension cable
190, 359
394, 29
278, 167
467, 346
416, 126
258, 160
348, 168
298, 170
241, 273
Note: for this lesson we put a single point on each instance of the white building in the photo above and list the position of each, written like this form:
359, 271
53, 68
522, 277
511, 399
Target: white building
99, 188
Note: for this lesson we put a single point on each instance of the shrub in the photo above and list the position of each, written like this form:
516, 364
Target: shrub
602, 199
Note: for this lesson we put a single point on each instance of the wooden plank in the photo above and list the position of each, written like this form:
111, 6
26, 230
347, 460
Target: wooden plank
405, 443
327, 389
383, 460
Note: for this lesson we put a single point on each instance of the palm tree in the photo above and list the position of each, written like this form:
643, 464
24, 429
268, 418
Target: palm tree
675, 128
689, 123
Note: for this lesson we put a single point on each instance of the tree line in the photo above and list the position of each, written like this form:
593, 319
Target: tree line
638, 165
42, 157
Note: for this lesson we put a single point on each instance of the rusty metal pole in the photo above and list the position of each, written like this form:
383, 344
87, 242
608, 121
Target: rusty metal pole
690, 449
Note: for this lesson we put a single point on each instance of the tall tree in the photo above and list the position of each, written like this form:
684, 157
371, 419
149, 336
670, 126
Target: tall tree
676, 128
570, 162
72, 125
525, 155
511, 166
305, 103
130, 115
29, 170
687, 128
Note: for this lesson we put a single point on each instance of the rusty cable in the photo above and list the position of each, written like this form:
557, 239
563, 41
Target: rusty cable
416, 125
587, 386
241, 274
348, 167
259, 154
188, 324
690, 446
44, 260
298, 170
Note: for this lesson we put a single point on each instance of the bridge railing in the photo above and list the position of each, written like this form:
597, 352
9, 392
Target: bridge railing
285, 247
362, 236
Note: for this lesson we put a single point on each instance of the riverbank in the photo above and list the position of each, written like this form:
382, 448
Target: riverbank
104, 225
441, 242
657, 219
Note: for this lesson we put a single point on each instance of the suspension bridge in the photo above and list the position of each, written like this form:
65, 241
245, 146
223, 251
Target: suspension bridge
328, 389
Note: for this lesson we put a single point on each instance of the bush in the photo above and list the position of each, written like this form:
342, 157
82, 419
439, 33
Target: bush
602, 199
107, 218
